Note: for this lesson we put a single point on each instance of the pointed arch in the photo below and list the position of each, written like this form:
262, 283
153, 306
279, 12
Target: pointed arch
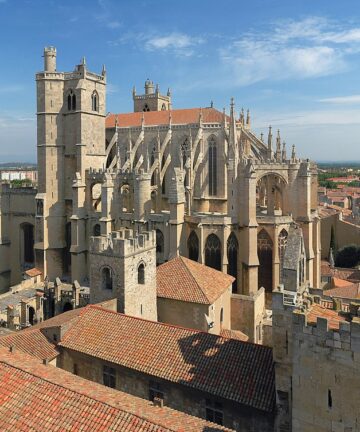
282, 242
212, 165
193, 246
265, 255
232, 255
95, 101
107, 278
159, 247
213, 252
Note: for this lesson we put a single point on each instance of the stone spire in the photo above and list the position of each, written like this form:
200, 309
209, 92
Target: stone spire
278, 147
242, 117
283, 155
232, 134
103, 72
293, 154
248, 118
224, 118
262, 137
270, 143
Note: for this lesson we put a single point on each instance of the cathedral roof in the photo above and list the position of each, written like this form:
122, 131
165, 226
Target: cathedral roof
227, 368
154, 118
186, 280
46, 398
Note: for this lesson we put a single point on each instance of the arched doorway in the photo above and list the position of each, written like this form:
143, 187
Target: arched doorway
27, 243
31, 315
213, 252
265, 249
67, 307
232, 255
193, 246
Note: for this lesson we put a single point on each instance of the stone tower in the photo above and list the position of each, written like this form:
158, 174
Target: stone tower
123, 266
152, 100
70, 139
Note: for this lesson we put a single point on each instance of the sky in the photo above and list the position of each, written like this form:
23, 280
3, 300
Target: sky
294, 64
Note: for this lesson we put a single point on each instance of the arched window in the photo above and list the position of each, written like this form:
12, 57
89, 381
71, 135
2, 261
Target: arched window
282, 241
159, 247
221, 315
96, 230
163, 107
265, 247
31, 315
27, 243
193, 246
69, 102
163, 186
213, 252
95, 101
184, 148
152, 181
73, 102
232, 255
146, 108
212, 167
141, 274
106, 278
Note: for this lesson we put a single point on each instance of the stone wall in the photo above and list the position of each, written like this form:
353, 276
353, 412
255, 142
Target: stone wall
326, 380
176, 396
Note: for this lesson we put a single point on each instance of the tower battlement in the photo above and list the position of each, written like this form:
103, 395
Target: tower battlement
122, 243
321, 334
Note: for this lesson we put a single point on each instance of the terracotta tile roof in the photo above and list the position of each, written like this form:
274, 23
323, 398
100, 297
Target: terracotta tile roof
179, 116
352, 275
42, 398
32, 342
337, 283
234, 334
227, 368
33, 272
351, 291
333, 317
186, 280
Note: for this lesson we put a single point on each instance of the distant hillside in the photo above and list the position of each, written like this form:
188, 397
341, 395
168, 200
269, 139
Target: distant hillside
17, 165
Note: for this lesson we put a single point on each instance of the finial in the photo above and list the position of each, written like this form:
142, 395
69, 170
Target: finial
103, 72
157, 88
293, 153
83, 61
262, 137
248, 117
211, 104
232, 103
116, 121
283, 155
200, 116
168, 92
242, 117
134, 91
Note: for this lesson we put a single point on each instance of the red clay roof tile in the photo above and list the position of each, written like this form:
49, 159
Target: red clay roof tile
186, 280
239, 371
44, 398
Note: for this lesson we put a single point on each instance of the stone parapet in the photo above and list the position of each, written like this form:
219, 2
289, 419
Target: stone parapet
123, 243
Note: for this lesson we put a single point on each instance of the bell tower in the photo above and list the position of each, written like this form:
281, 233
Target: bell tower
70, 139
152, 100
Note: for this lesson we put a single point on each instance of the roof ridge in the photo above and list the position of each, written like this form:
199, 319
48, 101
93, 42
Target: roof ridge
82, 394
192, 276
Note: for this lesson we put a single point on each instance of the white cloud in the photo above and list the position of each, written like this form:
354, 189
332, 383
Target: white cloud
172, 41
352, 99
290, 49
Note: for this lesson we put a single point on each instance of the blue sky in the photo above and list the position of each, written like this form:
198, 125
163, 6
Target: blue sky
295, 64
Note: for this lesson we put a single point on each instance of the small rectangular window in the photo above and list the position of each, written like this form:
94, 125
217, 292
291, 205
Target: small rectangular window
75, 369
214, 411
329, 399
109, 376
155, 390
